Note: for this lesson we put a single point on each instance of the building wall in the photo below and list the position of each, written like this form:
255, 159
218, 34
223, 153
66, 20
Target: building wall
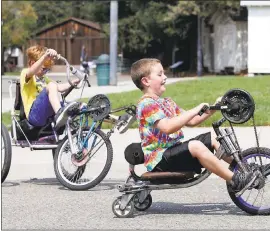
258, 39
206, 43
241, 47
69, 38
228, 41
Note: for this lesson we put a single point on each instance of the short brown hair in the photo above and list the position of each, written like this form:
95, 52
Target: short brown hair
142, 68
34, 53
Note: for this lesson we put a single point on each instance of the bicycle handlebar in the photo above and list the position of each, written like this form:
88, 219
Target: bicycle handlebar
80, 75
216, 107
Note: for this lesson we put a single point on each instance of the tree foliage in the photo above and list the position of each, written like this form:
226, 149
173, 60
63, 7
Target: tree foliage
202, 8
18, 21
147, 24
51, 12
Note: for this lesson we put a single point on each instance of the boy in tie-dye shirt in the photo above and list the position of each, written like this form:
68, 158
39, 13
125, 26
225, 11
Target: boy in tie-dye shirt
154, 142
160, 126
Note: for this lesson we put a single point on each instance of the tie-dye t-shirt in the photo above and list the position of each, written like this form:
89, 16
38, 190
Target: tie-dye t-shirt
154, 142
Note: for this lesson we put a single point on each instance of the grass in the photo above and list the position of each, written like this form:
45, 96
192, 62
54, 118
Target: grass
188, 94
12, 73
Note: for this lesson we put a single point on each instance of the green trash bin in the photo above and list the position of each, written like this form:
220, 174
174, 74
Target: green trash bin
103, 70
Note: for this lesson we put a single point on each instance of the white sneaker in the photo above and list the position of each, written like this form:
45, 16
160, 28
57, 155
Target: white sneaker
124, 122
61, 116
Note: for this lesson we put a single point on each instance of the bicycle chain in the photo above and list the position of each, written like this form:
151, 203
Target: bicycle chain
109, 133
256, 134
238, 146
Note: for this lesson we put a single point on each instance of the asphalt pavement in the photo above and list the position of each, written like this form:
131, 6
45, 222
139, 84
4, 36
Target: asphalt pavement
32, 198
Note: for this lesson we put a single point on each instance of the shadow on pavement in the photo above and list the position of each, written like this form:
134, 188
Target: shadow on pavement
7, 184
104, 185
42, 181
193, 208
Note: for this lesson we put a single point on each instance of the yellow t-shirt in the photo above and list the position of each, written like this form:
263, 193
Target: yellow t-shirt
31, 89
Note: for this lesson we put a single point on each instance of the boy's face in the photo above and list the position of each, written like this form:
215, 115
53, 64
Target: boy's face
155, 82
42, 71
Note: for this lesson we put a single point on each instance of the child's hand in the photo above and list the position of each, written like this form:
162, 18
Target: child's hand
200, 106
50, 53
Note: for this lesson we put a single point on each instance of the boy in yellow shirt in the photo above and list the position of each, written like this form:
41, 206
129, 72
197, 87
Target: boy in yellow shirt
39, 93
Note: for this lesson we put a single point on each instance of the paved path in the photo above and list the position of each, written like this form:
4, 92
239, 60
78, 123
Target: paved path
33, 199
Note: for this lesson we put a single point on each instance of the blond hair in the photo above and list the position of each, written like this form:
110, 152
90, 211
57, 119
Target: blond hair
142, 68
34, 53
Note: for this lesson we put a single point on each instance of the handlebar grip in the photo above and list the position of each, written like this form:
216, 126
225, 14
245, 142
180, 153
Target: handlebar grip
77, 73
215, 107
203, 110
60, 57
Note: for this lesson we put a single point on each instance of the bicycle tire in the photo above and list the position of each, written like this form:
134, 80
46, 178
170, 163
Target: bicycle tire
237, 200
8, 153
99, 178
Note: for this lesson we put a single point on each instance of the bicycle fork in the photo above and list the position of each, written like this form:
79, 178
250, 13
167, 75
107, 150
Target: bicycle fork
84, 142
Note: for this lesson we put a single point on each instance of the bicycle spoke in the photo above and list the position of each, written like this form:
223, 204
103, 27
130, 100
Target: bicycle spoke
262, 196
248, 195
97, 150
256, 197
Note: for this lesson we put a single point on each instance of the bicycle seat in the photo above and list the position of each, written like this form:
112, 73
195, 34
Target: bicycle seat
166, 175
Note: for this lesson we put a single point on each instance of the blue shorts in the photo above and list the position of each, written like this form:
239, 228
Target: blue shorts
41, 110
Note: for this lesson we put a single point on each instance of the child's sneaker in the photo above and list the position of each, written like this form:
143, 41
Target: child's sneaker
124, 122
61, 116
242, 181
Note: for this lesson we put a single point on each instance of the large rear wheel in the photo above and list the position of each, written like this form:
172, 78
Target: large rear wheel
6, 152
254, 201
93, 171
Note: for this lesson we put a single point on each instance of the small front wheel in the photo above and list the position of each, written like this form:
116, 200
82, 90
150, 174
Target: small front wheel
144, 205
122, 213
6, 153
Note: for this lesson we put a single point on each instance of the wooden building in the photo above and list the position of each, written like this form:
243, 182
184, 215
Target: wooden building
69, 36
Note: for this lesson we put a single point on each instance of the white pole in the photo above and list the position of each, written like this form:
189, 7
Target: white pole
113, 41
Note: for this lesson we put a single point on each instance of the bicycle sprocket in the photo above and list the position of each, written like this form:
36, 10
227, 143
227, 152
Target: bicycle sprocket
240, 104
99, 107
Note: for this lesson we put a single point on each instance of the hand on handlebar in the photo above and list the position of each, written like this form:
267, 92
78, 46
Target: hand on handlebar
203, 108
51, 54
81, 77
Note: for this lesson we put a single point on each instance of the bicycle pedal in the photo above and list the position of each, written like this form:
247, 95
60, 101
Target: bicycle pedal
238, 194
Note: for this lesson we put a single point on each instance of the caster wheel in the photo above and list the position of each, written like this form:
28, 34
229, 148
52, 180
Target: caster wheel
127, 212
142, 206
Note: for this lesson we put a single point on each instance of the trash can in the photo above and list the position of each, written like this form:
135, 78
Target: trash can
103, 70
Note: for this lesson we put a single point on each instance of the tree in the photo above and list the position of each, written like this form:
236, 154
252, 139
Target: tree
52, 12
202, 8
146, 24
18, 21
